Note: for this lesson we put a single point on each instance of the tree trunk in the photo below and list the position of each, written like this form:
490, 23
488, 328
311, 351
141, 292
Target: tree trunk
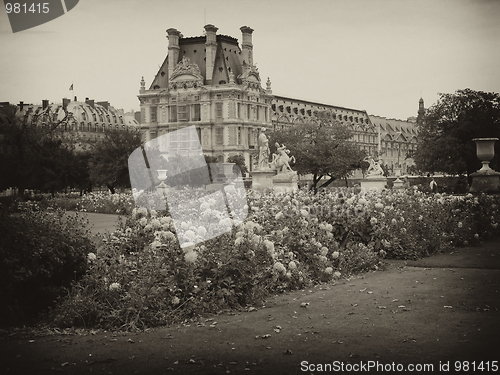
111, 188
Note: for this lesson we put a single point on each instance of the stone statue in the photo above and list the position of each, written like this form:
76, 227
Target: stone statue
263, 162
374, 169
281, 159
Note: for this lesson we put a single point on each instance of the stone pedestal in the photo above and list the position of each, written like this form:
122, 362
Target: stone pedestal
372, 183
285, 182
398, 184
485, 182
262, 179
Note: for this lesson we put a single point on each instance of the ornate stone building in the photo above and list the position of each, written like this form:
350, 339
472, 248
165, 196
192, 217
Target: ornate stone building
396, 142
210, 82
288, 111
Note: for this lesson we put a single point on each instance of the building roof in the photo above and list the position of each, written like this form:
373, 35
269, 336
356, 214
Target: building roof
227, 59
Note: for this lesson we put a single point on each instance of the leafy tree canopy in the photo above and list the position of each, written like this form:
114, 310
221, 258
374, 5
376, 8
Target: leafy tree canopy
445, 136
323, 150
35, 154
239, 160
108, 160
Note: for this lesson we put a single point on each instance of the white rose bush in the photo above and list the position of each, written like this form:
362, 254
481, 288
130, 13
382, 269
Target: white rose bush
151, 272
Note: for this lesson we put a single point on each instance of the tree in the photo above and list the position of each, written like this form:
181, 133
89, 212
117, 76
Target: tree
446, 133
239, 160
34, 153
323, 150
108, 160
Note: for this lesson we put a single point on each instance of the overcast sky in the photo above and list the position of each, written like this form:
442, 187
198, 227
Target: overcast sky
375, 55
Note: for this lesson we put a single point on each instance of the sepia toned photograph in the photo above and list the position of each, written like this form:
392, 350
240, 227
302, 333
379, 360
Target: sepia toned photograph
249, 187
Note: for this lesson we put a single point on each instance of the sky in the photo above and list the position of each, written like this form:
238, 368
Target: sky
375, 55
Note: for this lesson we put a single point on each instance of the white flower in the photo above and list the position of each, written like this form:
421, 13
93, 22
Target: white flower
420, 217
337, 273
324, 251
226, 222
143, 221
402, 219
189, 235
175, 300
373, 221
394, 222
292, 265
335, 254
191, 256
329, 270
114, 286
460, 224
304, 213
323, 259
278, 266
91, 257
278, 216
269, 245
201, 231
362, 201
238, 241
476, 236
379, 205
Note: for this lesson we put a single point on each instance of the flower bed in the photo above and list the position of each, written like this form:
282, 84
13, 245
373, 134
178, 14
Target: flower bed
142, 275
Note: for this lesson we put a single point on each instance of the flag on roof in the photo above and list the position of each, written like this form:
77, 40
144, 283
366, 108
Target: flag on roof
71, 87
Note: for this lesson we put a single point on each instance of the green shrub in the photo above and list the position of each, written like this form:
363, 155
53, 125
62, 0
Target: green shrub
41, 254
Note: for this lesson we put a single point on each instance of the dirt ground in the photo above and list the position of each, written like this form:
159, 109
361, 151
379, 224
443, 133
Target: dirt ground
439, 311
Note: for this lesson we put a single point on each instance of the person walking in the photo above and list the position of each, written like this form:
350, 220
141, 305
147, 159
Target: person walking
433, 185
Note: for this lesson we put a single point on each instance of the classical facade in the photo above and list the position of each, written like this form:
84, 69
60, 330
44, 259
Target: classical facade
396, 142
86, 120
288, 111
211, 82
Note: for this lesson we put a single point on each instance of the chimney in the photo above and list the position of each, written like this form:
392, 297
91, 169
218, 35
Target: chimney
211, 47
89, 102
246, 44
65, 102
104, 104
21, 106
45, 104
173, 50
75, 99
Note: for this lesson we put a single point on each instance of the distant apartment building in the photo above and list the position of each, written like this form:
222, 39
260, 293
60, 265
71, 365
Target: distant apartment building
86, 120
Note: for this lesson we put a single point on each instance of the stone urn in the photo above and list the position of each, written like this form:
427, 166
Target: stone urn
486, 179
162, 176
485, 151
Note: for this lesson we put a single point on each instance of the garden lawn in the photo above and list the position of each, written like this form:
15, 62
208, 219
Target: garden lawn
431, 311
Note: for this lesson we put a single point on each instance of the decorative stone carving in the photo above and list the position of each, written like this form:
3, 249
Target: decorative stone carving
263, 162
281, 160
185, 67
374, 169
250, 77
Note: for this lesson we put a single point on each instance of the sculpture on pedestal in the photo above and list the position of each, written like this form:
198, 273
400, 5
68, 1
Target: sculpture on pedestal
281, 160
374, 169
263, 162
